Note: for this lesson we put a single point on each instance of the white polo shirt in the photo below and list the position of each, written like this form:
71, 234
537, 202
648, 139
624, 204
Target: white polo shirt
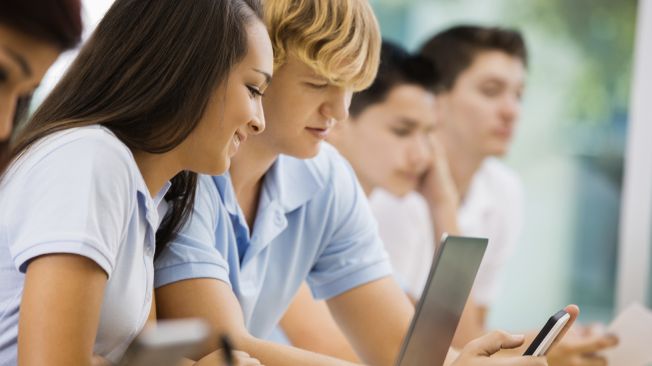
80, 191
493, 208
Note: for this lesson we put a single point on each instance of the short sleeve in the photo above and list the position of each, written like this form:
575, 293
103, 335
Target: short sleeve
71, 193
193, 253
355, 254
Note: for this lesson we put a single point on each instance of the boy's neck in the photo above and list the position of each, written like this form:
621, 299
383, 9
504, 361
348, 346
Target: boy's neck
463, 165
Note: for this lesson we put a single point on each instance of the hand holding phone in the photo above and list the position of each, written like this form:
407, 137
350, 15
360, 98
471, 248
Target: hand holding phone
552, 331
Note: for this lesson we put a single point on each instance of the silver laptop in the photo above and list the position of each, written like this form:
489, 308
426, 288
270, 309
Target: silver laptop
438, 312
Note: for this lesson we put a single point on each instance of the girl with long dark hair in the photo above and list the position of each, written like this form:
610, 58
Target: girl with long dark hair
106, 168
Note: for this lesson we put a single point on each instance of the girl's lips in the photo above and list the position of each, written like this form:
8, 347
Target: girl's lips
241, 136
237, 139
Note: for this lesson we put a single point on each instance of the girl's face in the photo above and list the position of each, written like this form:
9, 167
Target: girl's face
480, 112
387, 143
235, 110
23, 63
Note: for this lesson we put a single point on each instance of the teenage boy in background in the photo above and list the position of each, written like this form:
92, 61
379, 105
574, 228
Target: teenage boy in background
482, 74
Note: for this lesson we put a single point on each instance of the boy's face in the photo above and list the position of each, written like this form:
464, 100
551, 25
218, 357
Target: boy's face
301, 108
480, 112
388, 142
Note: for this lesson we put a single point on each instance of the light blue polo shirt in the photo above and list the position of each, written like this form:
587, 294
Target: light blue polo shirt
313, 223
80, 191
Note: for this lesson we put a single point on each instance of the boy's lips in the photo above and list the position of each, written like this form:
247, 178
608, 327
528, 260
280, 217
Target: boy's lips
320, 133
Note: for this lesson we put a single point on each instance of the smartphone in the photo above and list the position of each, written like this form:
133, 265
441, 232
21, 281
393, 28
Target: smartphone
548, 334
166, 343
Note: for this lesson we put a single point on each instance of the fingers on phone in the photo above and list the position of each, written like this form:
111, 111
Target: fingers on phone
493, 342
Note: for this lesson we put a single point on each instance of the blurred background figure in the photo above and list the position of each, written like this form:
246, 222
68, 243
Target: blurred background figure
481, 80
32, 35
568, 151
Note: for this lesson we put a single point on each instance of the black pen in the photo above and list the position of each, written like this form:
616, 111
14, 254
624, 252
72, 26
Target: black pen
227, 349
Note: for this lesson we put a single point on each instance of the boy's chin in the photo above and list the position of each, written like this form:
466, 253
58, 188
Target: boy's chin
307, 152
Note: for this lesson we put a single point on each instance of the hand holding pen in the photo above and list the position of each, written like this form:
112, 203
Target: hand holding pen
227, 350
235, 358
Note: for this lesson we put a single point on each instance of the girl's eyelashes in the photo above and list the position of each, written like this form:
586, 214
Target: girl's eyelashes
255, 92
4, 75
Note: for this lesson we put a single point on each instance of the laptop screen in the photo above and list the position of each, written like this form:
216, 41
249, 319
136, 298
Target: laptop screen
438, 312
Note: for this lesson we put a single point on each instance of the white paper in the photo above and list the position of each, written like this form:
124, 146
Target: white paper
634, 330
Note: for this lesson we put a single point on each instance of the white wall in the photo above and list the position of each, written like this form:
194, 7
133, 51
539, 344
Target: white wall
636, 217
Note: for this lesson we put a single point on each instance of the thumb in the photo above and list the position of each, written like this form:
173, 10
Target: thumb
493, 342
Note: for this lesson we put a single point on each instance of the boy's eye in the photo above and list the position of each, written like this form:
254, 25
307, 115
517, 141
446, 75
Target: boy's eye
401, 132
317, 85
491, 91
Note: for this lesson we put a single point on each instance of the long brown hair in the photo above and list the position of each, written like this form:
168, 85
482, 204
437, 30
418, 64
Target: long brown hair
147, 74
57, 22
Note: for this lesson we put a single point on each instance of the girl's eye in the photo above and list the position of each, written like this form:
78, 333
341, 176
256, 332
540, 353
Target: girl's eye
254, 92
3, 75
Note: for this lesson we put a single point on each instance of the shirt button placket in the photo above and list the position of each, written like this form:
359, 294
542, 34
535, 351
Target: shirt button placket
279, 218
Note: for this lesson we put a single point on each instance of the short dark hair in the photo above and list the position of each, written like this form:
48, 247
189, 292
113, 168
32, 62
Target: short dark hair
54, 21
453, 50
397, 67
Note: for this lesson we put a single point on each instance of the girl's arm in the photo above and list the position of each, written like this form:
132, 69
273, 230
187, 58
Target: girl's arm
60, 310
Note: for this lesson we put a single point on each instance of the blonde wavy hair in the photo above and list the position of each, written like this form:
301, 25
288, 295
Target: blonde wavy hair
339, 39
